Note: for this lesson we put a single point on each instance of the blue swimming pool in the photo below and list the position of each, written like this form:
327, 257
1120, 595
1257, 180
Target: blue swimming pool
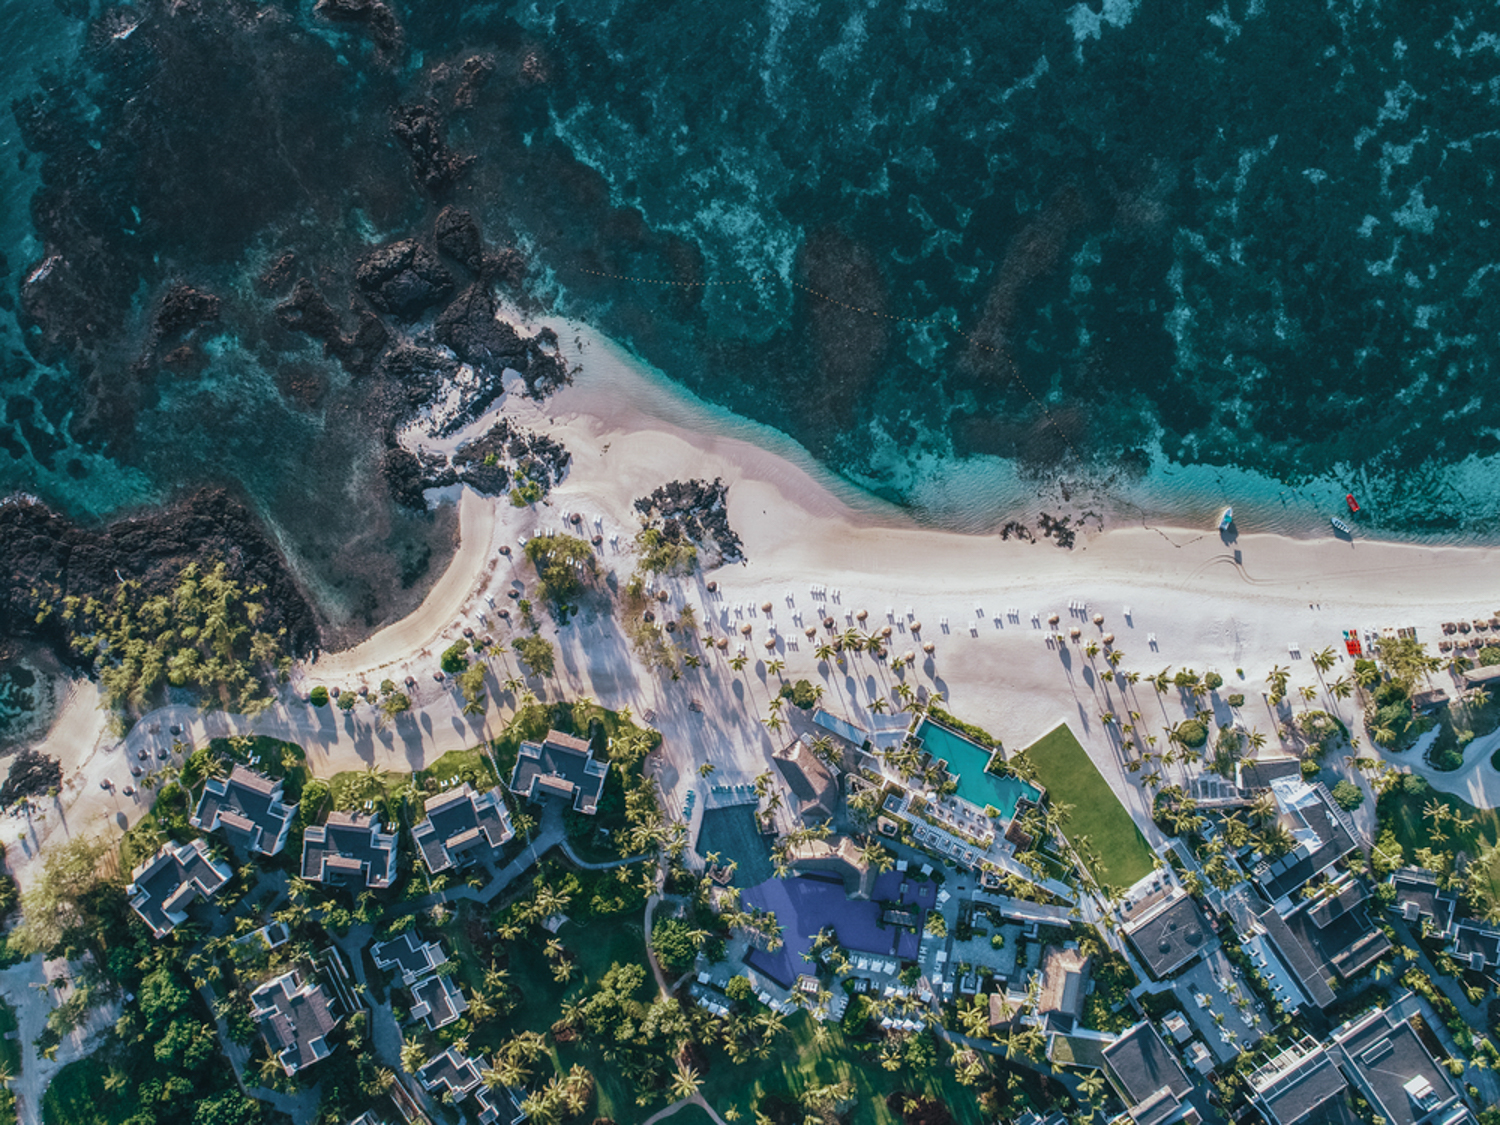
966, 762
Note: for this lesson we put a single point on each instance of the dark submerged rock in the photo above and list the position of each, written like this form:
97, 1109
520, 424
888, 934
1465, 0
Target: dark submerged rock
419, 128
457, 235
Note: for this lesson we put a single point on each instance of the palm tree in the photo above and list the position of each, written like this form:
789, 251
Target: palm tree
705, 769
879, 705
738, 661
685, 1083
1324, 661
1341, 688
1277, 677
774, 667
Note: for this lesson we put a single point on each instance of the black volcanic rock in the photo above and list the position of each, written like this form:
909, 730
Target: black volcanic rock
457, 235
183, 309
419, 128
696, 512
470, 328
418, 371
404, 279
43, 553
373, 15
308, 311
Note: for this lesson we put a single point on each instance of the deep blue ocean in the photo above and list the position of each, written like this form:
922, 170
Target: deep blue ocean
1129, 256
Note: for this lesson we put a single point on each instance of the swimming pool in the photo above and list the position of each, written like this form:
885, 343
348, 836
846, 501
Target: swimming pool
966, 761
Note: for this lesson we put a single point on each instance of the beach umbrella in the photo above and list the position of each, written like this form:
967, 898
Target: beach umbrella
723, 644
504, 550
1053, 619
661, 595
885, 631
648, 617
712, 586
770, 642
928, 647
909, 656
828, 623
576, 518
861, 615
765, 607
811, 631
1075, 632
598, 539
916, 626
671, 626
1109, 638
1098, 619
745, 629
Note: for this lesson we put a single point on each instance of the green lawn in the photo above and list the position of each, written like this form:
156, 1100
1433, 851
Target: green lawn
1401, 812
77, 1096
690, 1115
799, 1063
1063, 767
472, 764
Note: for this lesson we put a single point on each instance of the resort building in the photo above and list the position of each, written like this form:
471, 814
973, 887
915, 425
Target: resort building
408, 955
1065, 985
295, 1019
1324, 835
162, 888
349, 850
1301, 1086
450, 1072
814, 787
1221, 1006
437, 1001
247, 807
1434, 912
1169, 935
1385, 1060
835, 855
1149, 1079
498, 1106
1337, 933
462, 827
560, 766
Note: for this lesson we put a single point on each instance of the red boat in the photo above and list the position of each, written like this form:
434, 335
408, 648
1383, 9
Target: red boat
1353, 504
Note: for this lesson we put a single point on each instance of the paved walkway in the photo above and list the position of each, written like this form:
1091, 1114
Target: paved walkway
697, 1100
19, 986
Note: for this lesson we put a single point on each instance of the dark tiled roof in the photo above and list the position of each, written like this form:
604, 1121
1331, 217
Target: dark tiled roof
1337, 932
1258, 773
162, 888
408, 954
437, 1000
1306, 1091
1324, 839
1171, 936
1386, 1059
450, 1071
1151, 1080
498, 1107
809, 779
294, 1020
561, 765
1304, 962
1476, 942
461, 827
1418, 898
246, 806
349, 848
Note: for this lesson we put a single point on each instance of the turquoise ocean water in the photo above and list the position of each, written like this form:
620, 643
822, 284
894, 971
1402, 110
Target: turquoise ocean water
1126, 260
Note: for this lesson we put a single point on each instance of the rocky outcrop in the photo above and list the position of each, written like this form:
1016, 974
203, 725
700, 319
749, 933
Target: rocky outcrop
374, 16
308, 311
404, 279
470, 326
457, 235
694, 511
419, 128
488, 464
46, 557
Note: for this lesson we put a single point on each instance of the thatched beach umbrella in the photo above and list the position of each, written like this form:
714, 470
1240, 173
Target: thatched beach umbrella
1098, 619
916, 626
861, 615
770, 642
885, 630
723, 644
504, 550
1109, 638
648, 617
765, 607
909, 656
597, 540
745, 629
671, 626
828, 623
661, 595
1053, 619
576, 518
811, 631
1075, 632
712, 586
928, 647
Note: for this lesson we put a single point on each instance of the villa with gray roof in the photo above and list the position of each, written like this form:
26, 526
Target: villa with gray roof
560, 766
349, 850
295, 1019
1324, 835
162, 888
462, 827
1149, 1079
437, 1001
1385, 1060
450, 1072
247, 807
1435, 912
1170, 935
408, 955
1301, 1086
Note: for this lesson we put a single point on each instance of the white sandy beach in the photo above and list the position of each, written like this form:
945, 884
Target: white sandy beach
1208, 605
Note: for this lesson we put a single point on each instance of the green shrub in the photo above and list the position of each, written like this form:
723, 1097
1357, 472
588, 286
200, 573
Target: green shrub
739, 988
1391, 691
1192, 733
1310, 768
347, 699
1348, 795
1236, 700
525, 492
318, 697
536, 653
456, 657
1489, 656
1213, 681
801, 693
673, 944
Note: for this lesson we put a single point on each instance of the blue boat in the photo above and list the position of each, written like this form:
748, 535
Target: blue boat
1226, 519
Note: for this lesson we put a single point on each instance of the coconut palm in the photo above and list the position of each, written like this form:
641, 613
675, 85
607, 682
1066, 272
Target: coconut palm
685, 1083
1324, 661
1341, 688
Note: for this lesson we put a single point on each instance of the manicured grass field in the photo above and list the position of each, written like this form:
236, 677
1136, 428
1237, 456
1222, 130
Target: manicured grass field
1063, 767
1401, 811
457, 762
